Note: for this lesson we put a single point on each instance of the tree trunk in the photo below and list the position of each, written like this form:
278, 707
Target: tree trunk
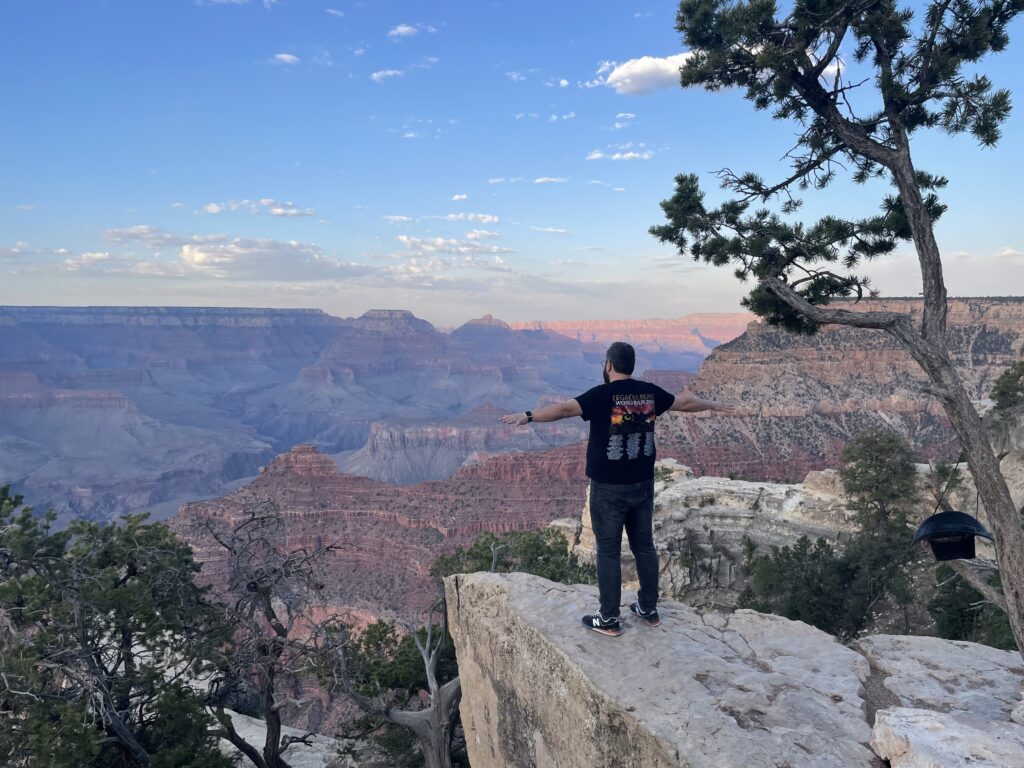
433, 726
1003, 515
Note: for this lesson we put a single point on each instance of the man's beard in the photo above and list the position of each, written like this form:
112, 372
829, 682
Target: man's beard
607, 378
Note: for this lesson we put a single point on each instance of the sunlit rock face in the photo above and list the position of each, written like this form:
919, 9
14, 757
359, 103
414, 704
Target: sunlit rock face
706, 690
802, 398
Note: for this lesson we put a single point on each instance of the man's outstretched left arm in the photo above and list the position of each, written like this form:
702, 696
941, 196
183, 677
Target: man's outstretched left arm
690, 404
565, 410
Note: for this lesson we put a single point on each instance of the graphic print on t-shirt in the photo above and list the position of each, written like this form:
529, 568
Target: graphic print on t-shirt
631, 431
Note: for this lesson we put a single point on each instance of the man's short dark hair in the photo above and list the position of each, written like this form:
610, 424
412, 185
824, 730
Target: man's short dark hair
622, 356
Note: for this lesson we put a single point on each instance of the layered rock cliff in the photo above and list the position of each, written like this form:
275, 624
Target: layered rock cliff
389, 535
706, 690
801, 398
106, 410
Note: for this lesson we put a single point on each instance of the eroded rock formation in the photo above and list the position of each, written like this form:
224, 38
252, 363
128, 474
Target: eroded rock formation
704, 528
710, 690
801, 398
388, 535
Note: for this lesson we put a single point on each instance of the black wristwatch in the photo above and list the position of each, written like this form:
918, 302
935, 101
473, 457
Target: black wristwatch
529, 416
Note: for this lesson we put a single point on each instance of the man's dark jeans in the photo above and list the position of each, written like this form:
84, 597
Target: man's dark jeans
613, 507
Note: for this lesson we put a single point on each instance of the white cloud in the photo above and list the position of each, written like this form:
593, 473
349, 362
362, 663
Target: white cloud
481, 234
552, 230
178, 206
497, 180
360, 51
334, 12
527, 116
25, 207
645, 155
566, 116
403, 30
264, 204
563, 83
153, 237
422, 246
285, 58
381, 75
410, 135
598, 154
86, 259
646, 74
479, 218
459, 197
1008, 252
515, 77
290, 210
394, 219
550, 180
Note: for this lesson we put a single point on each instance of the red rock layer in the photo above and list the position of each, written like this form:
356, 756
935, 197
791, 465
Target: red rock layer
389, 536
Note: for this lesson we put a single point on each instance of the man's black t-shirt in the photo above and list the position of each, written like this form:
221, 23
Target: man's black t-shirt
621, 415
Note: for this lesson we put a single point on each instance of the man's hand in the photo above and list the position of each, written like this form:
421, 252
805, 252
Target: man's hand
514, 419
727, 408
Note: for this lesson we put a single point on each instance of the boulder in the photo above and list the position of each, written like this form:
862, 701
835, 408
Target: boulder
922, 738
703, 691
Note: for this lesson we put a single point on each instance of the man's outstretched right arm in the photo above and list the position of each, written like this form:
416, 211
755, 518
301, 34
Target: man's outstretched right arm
565, 410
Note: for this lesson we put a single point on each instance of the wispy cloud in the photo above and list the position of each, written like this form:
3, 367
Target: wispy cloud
285, 58
566, 116
262, 205
395, 219
334, 12
425, 63
479, 218
527, 116
515, 76
551, 230
409, 30
384, 74
429, 245
504, 180
619, 152
1007, 252
154, 237
550, 180
25, 207
76, 263
481, 234
458, 197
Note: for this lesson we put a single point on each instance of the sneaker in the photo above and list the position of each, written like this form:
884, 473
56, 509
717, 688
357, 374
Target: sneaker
606, 626
650, 617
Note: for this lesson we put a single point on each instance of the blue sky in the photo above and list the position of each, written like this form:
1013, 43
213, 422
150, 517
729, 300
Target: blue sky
450, 158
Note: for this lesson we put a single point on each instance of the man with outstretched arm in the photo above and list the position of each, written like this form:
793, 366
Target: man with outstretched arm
620, 465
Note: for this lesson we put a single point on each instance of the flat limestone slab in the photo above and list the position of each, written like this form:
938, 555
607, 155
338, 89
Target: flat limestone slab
714, 691
947, 675
921, 738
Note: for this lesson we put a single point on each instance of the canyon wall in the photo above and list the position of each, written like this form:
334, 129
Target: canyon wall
388, 535
801, 398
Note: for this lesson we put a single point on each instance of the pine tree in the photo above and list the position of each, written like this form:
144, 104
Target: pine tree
912, 72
